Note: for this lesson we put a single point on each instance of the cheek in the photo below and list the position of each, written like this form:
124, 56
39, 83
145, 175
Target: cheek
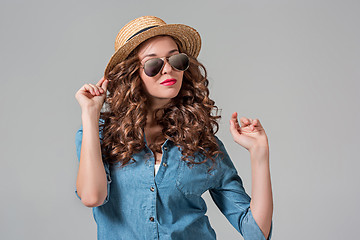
180, 75
145, 79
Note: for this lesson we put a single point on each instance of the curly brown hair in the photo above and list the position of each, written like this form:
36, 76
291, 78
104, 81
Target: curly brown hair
186, 120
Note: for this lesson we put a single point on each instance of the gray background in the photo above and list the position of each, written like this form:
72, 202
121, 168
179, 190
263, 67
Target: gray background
292, 64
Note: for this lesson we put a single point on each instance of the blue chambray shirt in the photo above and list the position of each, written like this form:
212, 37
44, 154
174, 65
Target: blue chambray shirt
169, 205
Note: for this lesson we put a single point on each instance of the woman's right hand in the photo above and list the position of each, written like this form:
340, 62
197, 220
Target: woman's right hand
92, 96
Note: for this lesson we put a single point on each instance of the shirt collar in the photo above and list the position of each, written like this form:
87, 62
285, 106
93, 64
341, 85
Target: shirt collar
166, 143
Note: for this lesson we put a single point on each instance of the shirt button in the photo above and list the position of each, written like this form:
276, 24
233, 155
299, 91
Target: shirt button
165, 148
152, 189
151, 219
164, 164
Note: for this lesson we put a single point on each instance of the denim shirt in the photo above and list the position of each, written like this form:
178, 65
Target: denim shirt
169, 205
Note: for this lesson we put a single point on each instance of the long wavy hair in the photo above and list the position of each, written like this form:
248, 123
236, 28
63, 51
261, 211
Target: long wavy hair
187, 120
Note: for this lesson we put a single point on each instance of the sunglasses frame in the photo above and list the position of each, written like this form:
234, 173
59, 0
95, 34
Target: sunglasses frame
163, 64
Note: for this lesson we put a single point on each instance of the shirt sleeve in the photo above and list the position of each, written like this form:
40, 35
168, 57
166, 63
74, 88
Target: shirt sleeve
230, 197
78, 142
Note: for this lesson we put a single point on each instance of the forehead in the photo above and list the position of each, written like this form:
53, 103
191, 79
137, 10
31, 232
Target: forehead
157, 45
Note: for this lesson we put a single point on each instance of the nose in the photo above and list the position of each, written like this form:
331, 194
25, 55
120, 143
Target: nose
167, 67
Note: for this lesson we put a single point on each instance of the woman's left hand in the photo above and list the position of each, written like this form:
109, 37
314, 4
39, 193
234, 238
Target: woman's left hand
250, 134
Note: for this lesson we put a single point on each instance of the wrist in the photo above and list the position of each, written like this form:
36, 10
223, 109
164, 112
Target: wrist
90, 113
260, 149
93, 114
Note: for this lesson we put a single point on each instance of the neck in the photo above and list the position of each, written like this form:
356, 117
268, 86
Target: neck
154, 105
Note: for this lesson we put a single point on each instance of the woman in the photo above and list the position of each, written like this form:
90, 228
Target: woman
147, 159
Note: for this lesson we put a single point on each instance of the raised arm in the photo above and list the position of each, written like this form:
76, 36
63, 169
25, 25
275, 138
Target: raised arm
252, 136
261, 195
91, 183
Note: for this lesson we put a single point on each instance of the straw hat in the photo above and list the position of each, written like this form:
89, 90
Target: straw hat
140, 29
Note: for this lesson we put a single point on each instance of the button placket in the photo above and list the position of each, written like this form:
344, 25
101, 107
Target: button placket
165, 149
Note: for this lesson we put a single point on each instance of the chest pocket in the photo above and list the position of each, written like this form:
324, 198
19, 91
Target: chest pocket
193, 179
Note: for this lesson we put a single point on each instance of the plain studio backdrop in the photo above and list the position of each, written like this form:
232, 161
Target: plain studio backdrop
295, 65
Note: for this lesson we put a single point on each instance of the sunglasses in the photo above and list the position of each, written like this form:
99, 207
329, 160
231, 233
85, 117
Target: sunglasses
178, 61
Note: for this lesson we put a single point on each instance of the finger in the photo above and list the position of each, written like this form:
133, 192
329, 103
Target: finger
105, 85
234, 116
96, 89
98, 84
257, 123
88, 88
100, 81
235, 120
253, 123
244, 121
233, 130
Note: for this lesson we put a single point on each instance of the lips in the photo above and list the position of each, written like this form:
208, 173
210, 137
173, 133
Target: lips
168, 82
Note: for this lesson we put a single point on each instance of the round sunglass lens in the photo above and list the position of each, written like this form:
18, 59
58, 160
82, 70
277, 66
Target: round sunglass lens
179, 61
153, 66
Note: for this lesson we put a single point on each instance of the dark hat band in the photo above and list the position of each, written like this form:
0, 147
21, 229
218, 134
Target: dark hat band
142, 30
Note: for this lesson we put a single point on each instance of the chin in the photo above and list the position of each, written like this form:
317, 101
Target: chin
169, 97
167, 94
171, 94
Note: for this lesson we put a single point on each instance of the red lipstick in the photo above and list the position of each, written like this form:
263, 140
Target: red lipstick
168, 82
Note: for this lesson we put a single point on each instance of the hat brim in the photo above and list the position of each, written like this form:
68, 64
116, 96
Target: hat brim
188, 37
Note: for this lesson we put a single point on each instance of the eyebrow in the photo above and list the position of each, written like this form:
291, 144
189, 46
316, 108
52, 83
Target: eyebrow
154, 55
